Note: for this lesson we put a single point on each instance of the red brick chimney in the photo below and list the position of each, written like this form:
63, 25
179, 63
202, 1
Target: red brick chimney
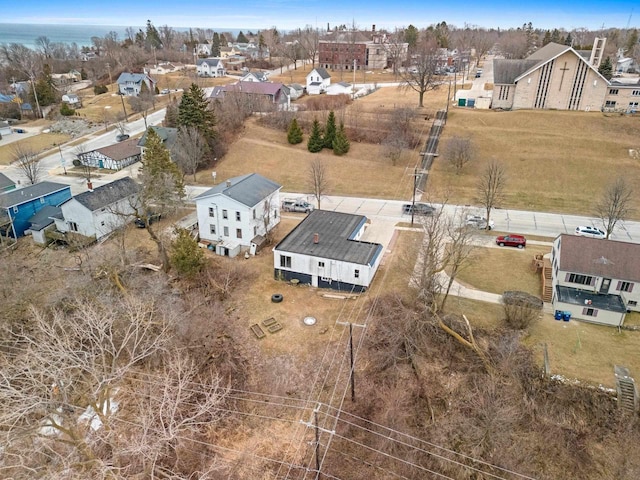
316, 238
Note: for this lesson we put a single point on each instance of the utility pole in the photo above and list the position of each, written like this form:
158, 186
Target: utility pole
35, 96
353, 372
110, 79
413, 199
62, 162
126, 117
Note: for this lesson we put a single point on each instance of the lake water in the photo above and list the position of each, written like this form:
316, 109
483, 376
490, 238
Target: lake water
26, 34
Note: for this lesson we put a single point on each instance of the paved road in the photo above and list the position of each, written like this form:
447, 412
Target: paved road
53, 164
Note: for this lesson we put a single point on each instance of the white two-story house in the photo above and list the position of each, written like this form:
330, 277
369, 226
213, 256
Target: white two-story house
131, 84
99, 212
233, 214
210, 67
325, 251
318, 80
596, 280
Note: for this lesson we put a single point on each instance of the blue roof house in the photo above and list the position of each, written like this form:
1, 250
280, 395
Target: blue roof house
130, 84
18, 206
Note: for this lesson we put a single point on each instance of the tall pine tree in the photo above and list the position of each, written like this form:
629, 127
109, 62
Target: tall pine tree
242, 38
193, 111
330, 130
606, 68
315, 142
341, 143
294, 135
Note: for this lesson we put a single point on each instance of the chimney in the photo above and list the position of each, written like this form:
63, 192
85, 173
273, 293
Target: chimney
373, 28
328, 29
228, 183
316, 238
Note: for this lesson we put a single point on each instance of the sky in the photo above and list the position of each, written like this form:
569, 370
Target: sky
291, 14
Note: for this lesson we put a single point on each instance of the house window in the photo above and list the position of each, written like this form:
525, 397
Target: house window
224, 214
238, 233
255, 230
225, 231
254, 213
73, 226
320, 264
632, 303
590, 312
633, 105
211, 212
635, 93
285, 261
15, 209
610, 104
356, 274
237, 216
212, 229
41, 200
102, 223
613, 91
626, 287
580, 279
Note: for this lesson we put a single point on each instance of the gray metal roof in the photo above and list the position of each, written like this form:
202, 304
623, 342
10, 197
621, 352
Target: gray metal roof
26, 194
335, 230
126, 77
212, 62
108, 194
549, 51
5, 181
43, 217
322, 72
506, 71
248, 189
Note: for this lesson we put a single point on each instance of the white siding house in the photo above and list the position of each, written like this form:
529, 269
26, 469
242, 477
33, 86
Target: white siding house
99, 212
325, 251
318, 80
340, 88
232, 214
130, 84
210, 67
595, 280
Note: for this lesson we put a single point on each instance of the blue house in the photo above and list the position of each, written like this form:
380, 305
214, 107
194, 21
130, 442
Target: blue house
18, 206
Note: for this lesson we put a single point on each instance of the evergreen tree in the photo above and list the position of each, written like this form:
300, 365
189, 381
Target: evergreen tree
153, 37
341, 143
186, 257
83, 74
631, 42
315, 142
223, 40
215, 45
411, 35
330, 130
44, 88
568, 40
242, 38
194, 111
555, 36
294, 135
606, 68
547, 38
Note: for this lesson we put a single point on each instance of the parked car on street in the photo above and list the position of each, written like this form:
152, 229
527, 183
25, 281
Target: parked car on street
511, 241
588, 231
296, 205
418, 208
479, 222
122, 137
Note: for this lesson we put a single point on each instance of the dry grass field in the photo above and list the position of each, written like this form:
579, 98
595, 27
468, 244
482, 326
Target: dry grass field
556, 161
497, 270
37, 143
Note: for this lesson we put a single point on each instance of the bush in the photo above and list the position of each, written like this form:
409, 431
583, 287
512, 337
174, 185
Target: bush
294, 136
520, 309
100, 89
66, 110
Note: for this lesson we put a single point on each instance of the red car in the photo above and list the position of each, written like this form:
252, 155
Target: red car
511, 241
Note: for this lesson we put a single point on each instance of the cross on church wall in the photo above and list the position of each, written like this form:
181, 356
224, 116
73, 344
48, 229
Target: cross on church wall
564, 69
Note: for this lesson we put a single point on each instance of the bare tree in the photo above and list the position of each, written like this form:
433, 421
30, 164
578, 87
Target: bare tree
490, 189
318, 179
27, 162
142, 104
309, 38
614, 205
458, 251
86, 169
421, 74
393, 146
459, 151
189, 150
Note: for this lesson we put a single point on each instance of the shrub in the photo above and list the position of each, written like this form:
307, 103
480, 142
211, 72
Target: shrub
294, 136
100, 89
186, 257
521, 309
66, 110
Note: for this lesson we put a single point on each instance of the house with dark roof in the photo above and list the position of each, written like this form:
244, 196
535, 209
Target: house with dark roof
325, 250
6, 183
168, 135
553, 77
210, 67
233, 214
112, 157
256, 76
18, 206
98, 212
596, 280
130, 84
318, 80
42, 222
